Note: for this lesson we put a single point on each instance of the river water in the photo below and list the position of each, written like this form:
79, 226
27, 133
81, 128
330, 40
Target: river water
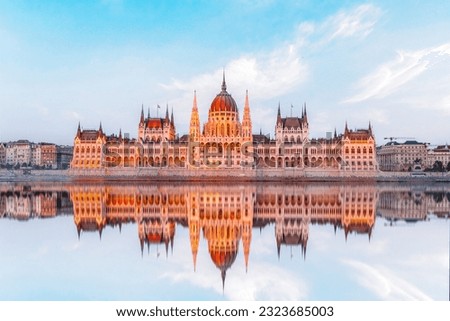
225, 241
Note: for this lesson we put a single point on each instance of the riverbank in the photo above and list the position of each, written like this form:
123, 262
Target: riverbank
232, 175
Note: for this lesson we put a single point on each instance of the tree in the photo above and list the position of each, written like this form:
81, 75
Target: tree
438, 166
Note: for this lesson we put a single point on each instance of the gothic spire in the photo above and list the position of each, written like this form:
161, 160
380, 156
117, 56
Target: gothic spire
79, 130
306, 115
224, 84
171, 118
246, 105
100, 130
246, 119
141, 121
194, 104
194, 127
223, 274
279, 114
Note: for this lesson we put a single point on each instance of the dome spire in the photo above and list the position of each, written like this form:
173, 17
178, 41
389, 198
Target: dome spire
79, 130
224, 84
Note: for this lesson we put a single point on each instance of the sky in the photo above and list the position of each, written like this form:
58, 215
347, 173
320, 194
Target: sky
69, 62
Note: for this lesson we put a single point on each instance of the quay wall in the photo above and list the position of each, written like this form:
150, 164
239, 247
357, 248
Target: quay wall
240, 174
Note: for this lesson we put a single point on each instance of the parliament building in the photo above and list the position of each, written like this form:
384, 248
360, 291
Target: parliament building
225, 142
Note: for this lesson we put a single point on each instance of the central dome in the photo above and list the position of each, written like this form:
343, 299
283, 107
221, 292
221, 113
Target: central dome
223, 101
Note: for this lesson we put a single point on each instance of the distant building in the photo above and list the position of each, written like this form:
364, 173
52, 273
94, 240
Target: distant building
405, 156
48, 153
64, 154
2, 154
24, 153
439, 154
19, 153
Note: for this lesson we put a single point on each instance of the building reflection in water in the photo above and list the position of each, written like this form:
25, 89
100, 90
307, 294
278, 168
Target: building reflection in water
225, 215
22, 203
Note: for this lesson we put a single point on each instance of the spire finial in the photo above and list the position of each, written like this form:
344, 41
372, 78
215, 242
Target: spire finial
142, 115
195, 100
246, 104
224, 84
223, 275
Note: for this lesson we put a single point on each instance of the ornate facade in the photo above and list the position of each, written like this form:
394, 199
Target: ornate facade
225, 142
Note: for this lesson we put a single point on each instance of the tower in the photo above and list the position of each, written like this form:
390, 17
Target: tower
246, 120
194, 127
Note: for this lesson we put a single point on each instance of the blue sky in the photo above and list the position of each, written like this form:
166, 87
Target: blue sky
64, 62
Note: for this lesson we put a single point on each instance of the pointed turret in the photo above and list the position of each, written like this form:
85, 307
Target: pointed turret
148, 113
141, 120
166, 118
79, 130
223, 274
141, 242
166, 245
279, 114
306, 115
278, 248
335, 133
100, 130
246, 119
194, 127
370, 129
172, 122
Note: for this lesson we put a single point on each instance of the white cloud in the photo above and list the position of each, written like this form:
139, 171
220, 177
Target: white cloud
391, 76
274, 73
359, 22
257, 285
279, 71
384, 283
266, 75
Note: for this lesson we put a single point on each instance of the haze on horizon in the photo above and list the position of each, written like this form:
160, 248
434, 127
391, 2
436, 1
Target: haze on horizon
386, 62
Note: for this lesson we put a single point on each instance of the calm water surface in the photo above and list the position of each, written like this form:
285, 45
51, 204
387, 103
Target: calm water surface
224, 242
